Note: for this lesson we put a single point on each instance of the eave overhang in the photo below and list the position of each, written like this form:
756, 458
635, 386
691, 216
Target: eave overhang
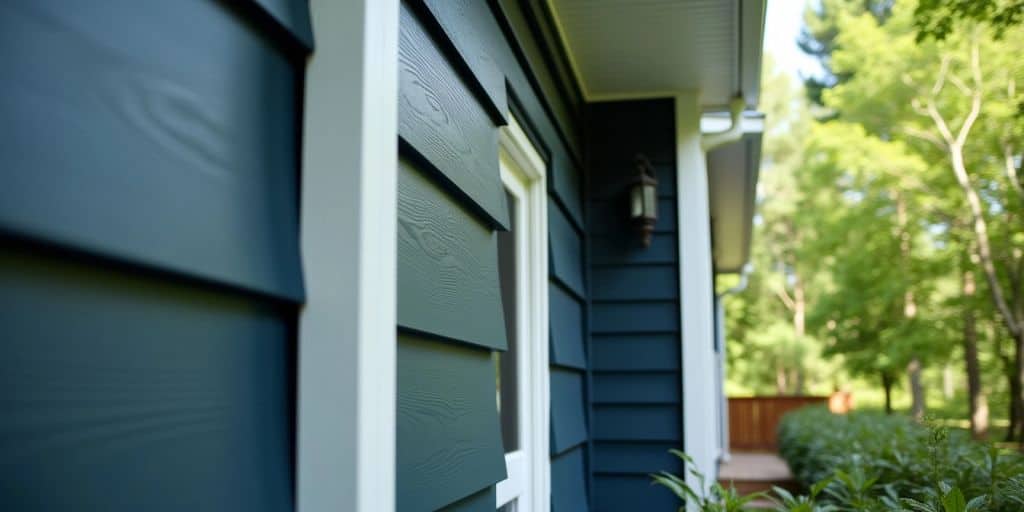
633, 49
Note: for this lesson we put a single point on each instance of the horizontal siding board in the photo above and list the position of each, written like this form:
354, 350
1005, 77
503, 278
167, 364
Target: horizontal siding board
626, 352
172, 395
637, 423
627, 317
447, 266
481, 501
636, 387
566, 324
472, 29
611, 250
650, 282
615, 493
179, 156
568, 486
568, 422
666, 215
567, 184
533, 81
449, 440
636, 458
441, 120
566, 248
293, 15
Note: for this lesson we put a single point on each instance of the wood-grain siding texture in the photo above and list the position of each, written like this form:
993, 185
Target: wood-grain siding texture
150, 275
635, 338
449, 440
180, 156
447, 266
480, 45
442, 121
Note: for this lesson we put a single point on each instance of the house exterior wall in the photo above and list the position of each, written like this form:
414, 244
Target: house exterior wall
635, 335
149, 259
465, 66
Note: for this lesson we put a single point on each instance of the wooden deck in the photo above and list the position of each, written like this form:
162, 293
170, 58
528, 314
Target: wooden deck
751, 472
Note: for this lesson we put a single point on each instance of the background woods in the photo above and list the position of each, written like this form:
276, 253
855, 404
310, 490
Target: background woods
889, 256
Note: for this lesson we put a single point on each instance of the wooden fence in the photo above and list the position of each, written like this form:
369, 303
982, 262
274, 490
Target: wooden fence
753, 420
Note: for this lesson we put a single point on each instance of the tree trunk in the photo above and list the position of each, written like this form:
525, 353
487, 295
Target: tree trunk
977, 403
887, 386
1016, 399
917, 407
1009, 367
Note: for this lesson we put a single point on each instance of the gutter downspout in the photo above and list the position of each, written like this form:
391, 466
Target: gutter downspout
723, 408
709, 141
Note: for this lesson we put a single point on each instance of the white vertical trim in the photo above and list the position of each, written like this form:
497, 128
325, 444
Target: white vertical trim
525, 171
346, 364
695, 291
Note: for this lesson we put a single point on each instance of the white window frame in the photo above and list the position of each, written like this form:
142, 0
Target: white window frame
529, 468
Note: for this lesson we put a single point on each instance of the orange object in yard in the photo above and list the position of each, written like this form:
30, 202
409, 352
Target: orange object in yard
840, 402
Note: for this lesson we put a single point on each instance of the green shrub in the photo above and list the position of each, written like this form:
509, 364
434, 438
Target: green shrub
882, 462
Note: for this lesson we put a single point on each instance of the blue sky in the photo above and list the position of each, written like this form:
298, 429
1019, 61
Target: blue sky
782, 27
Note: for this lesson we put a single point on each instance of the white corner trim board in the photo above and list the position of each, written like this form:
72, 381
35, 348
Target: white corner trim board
700, 408
346, 365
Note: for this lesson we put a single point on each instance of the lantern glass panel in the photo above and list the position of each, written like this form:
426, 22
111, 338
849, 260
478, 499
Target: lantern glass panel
636, 201
650, 201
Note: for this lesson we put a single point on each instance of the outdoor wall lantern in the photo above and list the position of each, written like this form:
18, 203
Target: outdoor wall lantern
643, 198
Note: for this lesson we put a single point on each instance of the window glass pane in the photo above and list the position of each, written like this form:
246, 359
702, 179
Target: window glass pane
507, 383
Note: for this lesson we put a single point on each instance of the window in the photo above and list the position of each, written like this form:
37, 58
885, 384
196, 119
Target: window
521, 383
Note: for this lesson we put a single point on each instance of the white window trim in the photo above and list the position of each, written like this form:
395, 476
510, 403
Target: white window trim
346, 363
524, 173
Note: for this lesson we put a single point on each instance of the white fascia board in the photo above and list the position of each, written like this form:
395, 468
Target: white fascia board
345, 454
751, 44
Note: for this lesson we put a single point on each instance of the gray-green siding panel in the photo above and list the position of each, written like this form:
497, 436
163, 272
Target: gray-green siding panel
613, 250
635, 458
439, 117
127, 392
635, 340
293, 15
637, 387
566, 324
566, 250
616, 493
447, 266
637, 423
631, 317
482, 501
449, 440
633, 352
472, 29
647, 282
568, 484
568, 420
161, 133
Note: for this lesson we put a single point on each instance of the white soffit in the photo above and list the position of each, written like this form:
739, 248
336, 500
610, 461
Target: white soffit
732, 183
622, 49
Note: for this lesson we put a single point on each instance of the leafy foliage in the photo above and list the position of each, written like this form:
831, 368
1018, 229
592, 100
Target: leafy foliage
881, 462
